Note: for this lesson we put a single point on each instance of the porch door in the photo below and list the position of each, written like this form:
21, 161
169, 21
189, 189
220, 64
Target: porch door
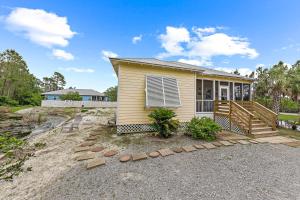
224, 93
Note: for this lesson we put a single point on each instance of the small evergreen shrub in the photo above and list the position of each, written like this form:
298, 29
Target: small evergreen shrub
203, 128
163, 121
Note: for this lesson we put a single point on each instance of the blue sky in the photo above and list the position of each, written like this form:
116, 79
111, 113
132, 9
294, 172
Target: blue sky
73, 37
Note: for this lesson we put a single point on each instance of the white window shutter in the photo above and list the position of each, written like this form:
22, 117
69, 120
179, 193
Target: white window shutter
171, 92
154, 91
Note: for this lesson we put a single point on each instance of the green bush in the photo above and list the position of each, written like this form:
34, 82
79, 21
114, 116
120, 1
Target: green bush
6, 101
289, 106
74, 96
163, 121
9, 143
203, 128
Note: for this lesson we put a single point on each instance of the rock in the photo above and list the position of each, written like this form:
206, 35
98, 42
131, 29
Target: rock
125, 158
96, 149
165, 152
79, 149
110, 153
177, 149
154, 154
90, 143
189, 148
96, 162
85, 156
139, 156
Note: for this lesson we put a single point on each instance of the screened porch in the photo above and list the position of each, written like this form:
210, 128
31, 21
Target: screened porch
209, 90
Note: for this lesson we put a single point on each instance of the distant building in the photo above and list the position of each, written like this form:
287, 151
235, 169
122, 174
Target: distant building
86, 94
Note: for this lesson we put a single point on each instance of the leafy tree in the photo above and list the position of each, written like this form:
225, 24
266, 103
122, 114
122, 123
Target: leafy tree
112, 93
74, 96
55, 82
236, 71
294, 80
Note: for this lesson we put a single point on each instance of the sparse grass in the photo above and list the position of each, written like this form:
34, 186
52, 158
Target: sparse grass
15, 108
290, 133
285, 117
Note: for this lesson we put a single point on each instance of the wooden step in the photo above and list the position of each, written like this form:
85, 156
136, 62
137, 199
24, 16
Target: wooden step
257, 125
261, 129
264, 134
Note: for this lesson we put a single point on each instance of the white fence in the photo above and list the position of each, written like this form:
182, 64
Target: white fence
78, 104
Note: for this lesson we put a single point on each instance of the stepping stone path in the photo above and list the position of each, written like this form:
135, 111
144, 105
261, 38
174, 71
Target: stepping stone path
189, 148
177, 149
243, 142
79, 149
96, 149
139, 156
276, 140
209, 145
253, 141
96, 162
154, 154
293, 144
232, 141
226, 143
165, 152
198, 146
110, 153
85, 144
218, 144
86, 156
125, 158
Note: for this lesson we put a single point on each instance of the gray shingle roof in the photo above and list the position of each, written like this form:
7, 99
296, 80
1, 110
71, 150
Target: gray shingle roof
82, 92
179, 65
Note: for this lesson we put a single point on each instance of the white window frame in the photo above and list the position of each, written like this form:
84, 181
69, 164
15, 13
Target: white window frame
162, 79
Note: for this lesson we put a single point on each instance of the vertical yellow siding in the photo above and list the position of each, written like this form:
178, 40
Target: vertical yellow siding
131, 93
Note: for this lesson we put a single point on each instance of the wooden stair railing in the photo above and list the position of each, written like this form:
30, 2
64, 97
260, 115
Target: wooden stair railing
241, 116
265, 114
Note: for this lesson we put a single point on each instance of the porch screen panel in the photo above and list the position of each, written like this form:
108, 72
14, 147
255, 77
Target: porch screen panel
154, 91
171, 92
231, 90
208, 95
246, 92
238, 91
199, 95
217, 90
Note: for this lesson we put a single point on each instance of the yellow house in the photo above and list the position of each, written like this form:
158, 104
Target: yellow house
147, 83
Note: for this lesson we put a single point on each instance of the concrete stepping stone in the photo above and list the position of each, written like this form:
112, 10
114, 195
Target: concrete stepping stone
293, 144
217, 144
110, 153
125, 158
177, 149
91, 138
154, 154
189, 148
225, 143
139, 156
85, 156
276, 139
95, 163
209, 145
165, 152
253, 141
232, 141
89, 143
199, 146
79, 149
96, 149
243, 142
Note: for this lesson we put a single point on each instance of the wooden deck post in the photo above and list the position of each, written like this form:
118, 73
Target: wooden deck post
230, 115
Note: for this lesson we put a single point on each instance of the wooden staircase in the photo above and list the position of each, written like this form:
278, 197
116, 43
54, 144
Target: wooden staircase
251, 117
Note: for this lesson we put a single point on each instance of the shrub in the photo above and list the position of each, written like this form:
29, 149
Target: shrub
288, 105
6, 101
8, 143
74, 96
203, 128
163, 121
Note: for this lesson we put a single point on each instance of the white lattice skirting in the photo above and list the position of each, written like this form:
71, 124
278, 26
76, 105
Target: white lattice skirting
138, 128
223, 121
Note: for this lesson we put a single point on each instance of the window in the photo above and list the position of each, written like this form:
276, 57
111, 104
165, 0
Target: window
162, 92
238, 91
246, 92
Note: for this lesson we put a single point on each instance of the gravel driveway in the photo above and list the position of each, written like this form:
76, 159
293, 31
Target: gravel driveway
260, 171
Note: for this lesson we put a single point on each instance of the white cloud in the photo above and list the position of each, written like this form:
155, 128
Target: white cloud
195, 62
39, 26
61, 54
78, 70
203, 44
108, 54
171, 41
137, 39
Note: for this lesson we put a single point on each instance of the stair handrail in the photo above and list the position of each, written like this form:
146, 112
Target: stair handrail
273, 115
265, 108
242, 108
248, 113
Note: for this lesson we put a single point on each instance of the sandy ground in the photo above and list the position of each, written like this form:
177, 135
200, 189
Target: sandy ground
50, 163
